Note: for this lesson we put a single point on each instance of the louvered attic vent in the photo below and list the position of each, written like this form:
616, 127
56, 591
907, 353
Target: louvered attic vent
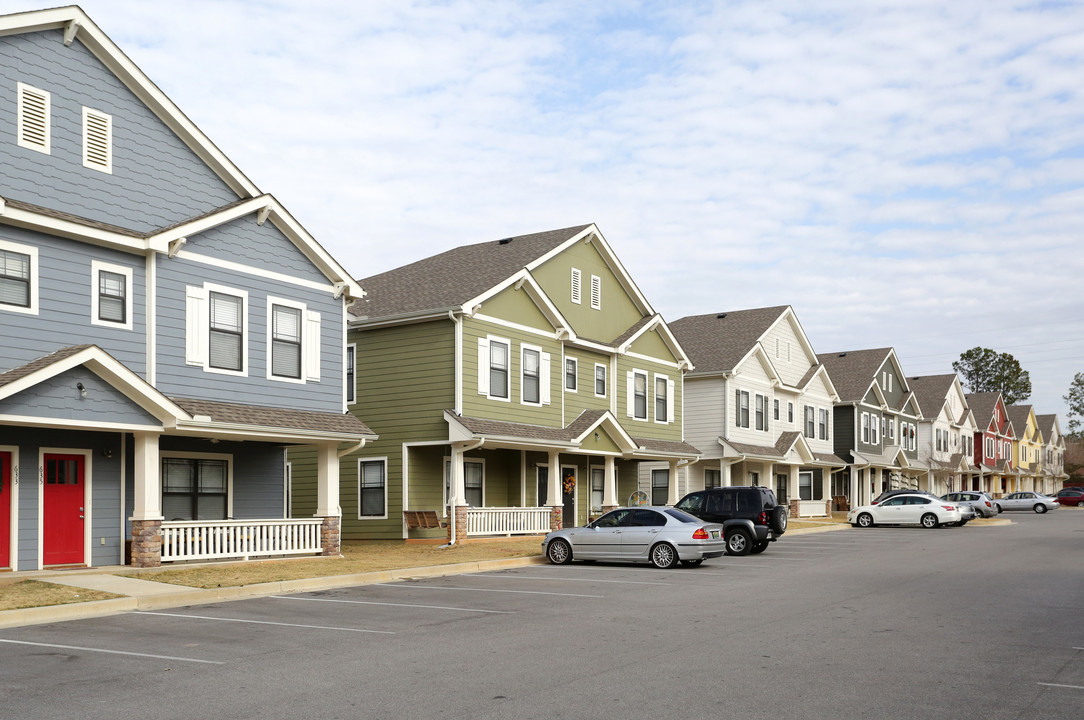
97, 140
33, 121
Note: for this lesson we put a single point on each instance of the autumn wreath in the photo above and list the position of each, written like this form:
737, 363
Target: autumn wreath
569, 483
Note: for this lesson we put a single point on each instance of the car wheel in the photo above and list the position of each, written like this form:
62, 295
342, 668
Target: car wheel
929, 520
738, 542
1080, 504
778, 521
999, 509
559, 552
692, 563
865, 520
663, 556
1039, 508
759, 547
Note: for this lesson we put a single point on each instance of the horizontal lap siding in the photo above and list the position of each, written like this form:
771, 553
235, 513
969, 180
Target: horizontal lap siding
65, 284
156, 180
59, 398
704, 414
648, 428
260, 246
584, 398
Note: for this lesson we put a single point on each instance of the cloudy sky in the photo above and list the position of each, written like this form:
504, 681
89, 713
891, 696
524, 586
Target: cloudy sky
904, 173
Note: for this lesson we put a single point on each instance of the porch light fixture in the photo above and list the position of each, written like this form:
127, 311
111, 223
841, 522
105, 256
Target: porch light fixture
596, 437
82, 389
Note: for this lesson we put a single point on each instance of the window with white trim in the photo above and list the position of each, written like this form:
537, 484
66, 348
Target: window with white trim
790, 413
571, 379
664, 399
530, 385
33, 123
810, 428
890, 426
600, 380
349, 377
598, 478
285, 341
111, 295
372, 488
822, 424
660, 486
18, 278
227, 332
775, 409
577, 286
474, 473
712, 478
97, 140
596, 292
874, 428
761, 412
493, 367
741, 408
637, 394
865, 428
195, 488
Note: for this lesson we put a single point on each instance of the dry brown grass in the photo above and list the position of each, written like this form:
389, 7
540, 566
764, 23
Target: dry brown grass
357, 557
34, 593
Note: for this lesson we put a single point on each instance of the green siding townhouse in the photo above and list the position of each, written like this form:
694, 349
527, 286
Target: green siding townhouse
516, 385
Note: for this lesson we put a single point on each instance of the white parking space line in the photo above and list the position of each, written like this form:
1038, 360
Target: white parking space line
467, 589
557, 578
388, 604
265, 622
1071, 687
738, 564
112, 652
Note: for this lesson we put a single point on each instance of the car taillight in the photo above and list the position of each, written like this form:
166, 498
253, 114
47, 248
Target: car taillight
949, 507
700, 534
762, 519
988, 504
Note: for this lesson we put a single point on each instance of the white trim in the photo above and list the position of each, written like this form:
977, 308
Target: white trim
287, 483
548, 334
32, 251
646, 358
302, 339
246, 329
576, 374
22, 91
444, 472
489, 340
669, 398
88, 495
151, 321
78, 424
357, 467
13, 498
648, 393
606, 380
524, 348
106, 121
350, 393
96, 267
457, 322
596, 292
257, 272
184, 455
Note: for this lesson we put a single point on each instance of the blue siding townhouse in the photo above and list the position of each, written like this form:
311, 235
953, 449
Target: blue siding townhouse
166, 329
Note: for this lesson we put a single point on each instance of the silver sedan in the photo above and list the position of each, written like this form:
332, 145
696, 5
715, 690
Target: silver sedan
982, 503
662, 536
1026, 501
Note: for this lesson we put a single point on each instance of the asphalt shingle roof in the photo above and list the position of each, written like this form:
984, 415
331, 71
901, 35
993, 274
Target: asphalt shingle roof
1018, 416
931, 392
451, 278
853, 371
982, 405
17, 373
272, 417
717, 342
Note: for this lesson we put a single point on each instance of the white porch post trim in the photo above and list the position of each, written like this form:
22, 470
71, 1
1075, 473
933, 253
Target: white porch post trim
147, 479
724, 473
555, 497
793, 489
327, 480
456, 481
609, 484
672, 488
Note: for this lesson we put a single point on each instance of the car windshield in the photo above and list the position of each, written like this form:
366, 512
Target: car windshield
682, 516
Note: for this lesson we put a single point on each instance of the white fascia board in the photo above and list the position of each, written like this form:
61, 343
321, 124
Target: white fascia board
801, 444
657, 323
232, 431
70, 424
364, 323
50, 225
525, 281
613, 428
112, 371
313, 250
457, 432
160, 241
899, 369
822, 371
803, 339
880, 395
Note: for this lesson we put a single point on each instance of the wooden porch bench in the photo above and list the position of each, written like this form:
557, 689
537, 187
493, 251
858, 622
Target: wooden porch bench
841, 503
422, 519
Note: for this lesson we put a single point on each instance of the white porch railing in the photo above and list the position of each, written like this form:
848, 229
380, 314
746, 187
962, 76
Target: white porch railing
812, 508
508, 521
219, 539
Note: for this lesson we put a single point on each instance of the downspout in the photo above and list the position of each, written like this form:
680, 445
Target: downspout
452, 499
457, 321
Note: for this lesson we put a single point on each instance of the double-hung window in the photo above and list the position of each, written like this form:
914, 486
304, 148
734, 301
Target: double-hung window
598, 477
638, 395
741, 408
600, 380
822, 425
790, 413
570, 374
865, 427
498, 369
350, 374
372, 488
18, 277
775, 409
761, 412
660, 486
195, 488
874, 424
712, 478
286, 341
110, 295
531, 383
809, 422
662, 399
227, 332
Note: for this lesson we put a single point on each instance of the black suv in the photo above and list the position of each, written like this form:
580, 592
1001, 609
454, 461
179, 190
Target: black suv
750, 516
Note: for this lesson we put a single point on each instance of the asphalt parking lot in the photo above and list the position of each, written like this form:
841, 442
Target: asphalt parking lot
885, 623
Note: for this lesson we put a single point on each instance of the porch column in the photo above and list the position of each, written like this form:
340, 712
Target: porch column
147, 502
724, 473
793, 491
609, 484
557, 502
672, 489
327, 498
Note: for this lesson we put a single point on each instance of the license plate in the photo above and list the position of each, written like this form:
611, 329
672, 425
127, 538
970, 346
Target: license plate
715, 534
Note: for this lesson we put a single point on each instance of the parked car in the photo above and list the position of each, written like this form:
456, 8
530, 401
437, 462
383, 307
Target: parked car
662, 536
750, 516
1073, 498
1026, 501
893, 493
911, 509
981, 501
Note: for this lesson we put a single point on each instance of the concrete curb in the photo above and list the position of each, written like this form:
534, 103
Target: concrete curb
199, 596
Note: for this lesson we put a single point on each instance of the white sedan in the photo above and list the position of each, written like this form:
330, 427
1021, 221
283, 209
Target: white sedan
916, 509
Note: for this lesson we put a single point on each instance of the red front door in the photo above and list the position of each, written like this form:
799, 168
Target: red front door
5, 509
63, 517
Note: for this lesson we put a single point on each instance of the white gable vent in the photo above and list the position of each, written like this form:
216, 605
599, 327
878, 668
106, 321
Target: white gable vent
97, 140
33, 122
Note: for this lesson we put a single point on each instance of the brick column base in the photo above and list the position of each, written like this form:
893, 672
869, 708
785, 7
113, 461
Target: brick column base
608, 508
794, 506
828, 508
331, 537
146, 543
457, 515
556, 513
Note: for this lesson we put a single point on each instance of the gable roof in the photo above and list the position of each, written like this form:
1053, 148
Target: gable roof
1051, 425
931, 392
853, 371
450, 279
718, 342
982, 405
1018, 416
